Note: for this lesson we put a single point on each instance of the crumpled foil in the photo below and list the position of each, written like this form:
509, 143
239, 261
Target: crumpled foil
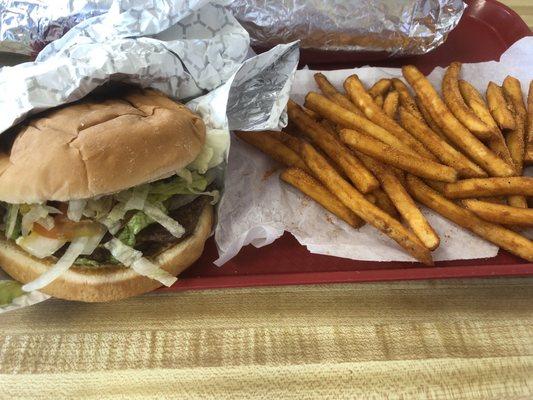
399, 27
194, 51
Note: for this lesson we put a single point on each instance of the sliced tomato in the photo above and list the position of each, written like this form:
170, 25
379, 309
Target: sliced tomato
66, 229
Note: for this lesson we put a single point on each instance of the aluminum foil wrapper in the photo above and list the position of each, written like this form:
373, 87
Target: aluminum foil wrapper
399, 27
194, 51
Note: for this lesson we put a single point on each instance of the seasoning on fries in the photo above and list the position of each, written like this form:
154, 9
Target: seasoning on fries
308, 185
269, 145
498, 107
403, 202
406, 99
334, 95
475, 101
416, 165
440, 148
482, 187
452, 128
356, 91
453, 99
346, 160
390, 104
500, 214
500, 236
347, 119
516, 137
354, 200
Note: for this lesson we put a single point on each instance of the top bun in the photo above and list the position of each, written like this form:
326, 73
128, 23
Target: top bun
99, 146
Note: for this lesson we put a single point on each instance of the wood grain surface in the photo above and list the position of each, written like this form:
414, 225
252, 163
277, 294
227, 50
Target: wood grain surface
428, 339
448, 339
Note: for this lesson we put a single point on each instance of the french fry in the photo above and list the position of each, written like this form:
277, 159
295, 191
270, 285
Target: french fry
330, 126
379, 101
435, 185
403, 202
369, 196
453, 99
390, 104
308, 185
269, 145
495, 200
406, 99
324, 84
339, 115
500, 214
355, 201
517, 201
453, 129
417, 166
291, 141
312, 114
528, 156
357, 93
361, 177
498, 107
475, 101
380, 88
516, 137
500, 236
429, 120
334, 95
441, 149
482, 187
383, 201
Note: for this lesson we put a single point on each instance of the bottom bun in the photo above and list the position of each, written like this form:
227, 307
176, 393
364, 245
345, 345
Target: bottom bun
107, 282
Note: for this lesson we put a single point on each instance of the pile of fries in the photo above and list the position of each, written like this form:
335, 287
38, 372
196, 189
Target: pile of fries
368, 155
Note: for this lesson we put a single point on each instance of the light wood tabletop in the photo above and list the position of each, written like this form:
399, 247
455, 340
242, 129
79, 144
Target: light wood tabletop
442, 339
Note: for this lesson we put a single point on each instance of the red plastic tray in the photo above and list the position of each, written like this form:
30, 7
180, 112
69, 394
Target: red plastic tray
486, 30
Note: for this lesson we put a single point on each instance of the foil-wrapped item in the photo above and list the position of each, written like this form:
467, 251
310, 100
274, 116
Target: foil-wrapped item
398, 27
194, 51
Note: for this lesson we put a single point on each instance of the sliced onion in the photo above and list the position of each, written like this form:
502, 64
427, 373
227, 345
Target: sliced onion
39, 246
133, 258
36, 213
75, 209
47, 222
61, 266
93, 242
174, 227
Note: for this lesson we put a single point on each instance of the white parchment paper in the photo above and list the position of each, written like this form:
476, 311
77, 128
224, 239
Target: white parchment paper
257, 207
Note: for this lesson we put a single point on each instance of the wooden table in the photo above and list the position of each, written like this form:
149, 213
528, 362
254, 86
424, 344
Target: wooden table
467, 339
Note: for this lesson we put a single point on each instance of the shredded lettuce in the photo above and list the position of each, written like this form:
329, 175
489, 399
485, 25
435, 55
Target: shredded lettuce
13, 221
134, 259
163, 190
87, 262
137, 223
213, 153
171, 225
9, 290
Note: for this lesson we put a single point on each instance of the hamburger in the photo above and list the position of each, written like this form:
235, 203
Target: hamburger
105, 198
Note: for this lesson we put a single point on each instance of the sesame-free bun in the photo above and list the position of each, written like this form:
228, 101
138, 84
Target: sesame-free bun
107, 282
99, 146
